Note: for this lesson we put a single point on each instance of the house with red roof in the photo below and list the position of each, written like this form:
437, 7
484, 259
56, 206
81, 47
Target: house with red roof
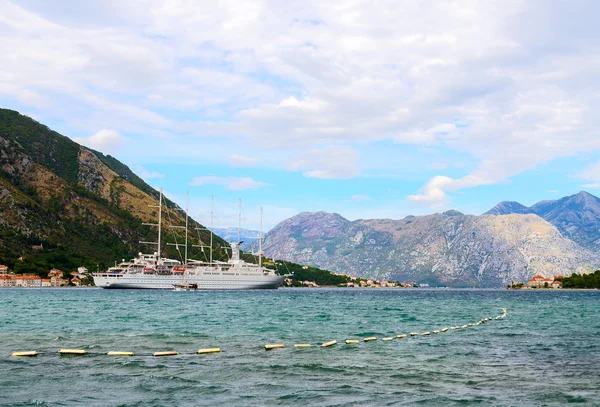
539, 281
7, 280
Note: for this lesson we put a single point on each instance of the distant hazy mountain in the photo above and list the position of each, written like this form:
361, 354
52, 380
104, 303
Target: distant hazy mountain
447, 249
231, 234
508, 207
576, 216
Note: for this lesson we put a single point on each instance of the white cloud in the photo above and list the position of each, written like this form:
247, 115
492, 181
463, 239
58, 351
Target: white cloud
434, 193
237, 160
328, 162
232, 183
359, 198
147, 175
510, 85
105, 141
440, 165
591, 173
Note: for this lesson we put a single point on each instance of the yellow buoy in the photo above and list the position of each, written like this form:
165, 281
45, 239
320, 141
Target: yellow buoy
302, 345
372, 338
465, 326
352, 341
471, 324
425, 333
120, 353
169, 353
435, 331
208, 350
274, 346
414, 334
387, 339
401, 336
444, 329
72, 352
327, 344
29, 354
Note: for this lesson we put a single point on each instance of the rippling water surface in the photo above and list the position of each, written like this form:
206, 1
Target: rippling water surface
545, 353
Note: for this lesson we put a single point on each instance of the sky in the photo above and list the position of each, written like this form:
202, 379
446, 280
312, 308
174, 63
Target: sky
371, 109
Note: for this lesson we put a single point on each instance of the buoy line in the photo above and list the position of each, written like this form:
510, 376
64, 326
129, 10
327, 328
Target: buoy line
82, 352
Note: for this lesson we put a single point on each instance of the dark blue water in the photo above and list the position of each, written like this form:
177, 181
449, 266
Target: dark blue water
545, 353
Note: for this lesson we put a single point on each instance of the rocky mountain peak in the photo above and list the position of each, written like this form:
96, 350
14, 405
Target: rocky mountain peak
508, 207
453, 212
320, 217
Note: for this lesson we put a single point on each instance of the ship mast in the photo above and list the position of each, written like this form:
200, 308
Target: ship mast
159, 219
212, 211
187, 216
159, 225
260, 253
239, 220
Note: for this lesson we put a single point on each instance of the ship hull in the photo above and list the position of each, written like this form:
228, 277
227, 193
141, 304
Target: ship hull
203, 282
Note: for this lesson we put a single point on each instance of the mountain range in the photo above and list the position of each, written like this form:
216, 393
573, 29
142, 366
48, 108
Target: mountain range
577, 216
510, 242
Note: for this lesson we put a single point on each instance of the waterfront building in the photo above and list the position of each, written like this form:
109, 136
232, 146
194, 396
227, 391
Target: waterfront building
539, 281
7, 281
28, 280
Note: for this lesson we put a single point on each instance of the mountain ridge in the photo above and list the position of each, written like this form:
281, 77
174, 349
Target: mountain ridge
447, 248
576, 216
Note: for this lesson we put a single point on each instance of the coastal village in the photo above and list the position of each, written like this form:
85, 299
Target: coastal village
82, 277
56, 278
354, 283
351, 282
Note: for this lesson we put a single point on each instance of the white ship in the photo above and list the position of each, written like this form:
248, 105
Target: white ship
150, 271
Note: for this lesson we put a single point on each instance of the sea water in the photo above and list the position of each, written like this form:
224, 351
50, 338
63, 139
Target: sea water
546, 352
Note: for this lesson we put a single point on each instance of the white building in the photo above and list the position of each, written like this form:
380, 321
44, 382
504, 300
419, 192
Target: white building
28, 280
7, 281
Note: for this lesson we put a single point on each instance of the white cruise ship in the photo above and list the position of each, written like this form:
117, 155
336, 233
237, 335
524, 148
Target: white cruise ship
150, 271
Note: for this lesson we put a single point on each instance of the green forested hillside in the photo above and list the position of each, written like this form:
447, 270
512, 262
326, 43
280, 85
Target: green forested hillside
84, 207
